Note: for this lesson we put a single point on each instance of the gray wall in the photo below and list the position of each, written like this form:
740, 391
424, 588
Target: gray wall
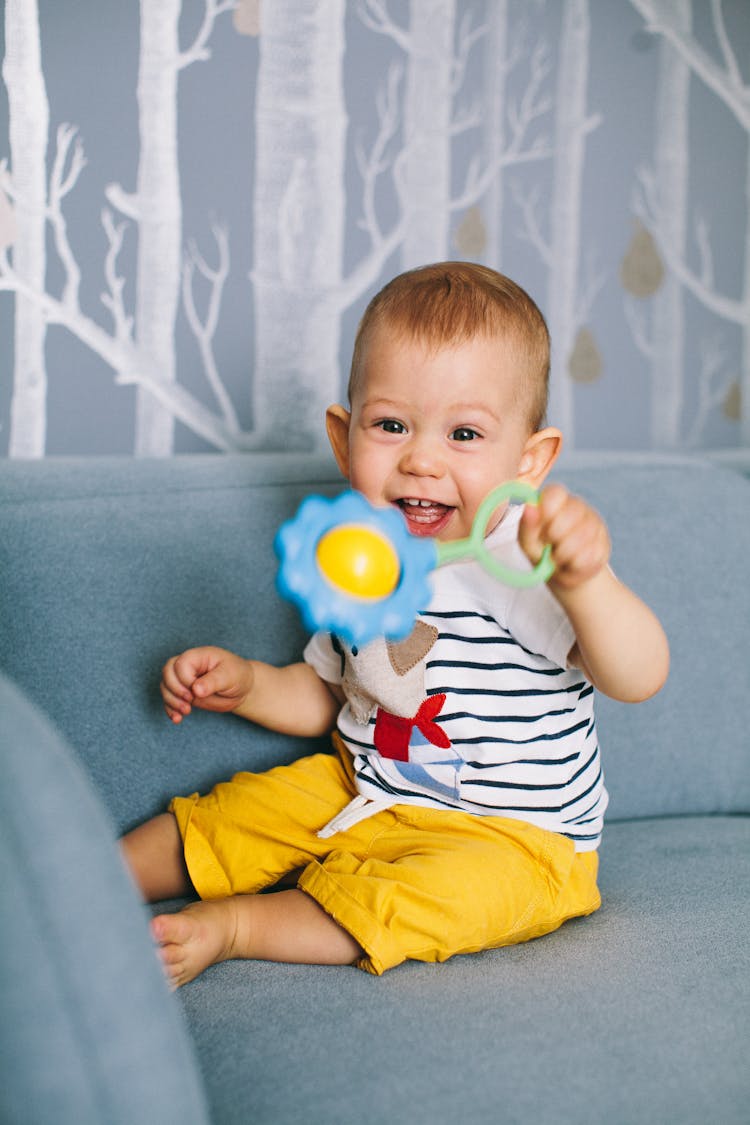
595, 151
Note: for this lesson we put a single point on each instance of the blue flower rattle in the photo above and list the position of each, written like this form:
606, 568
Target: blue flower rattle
354, 570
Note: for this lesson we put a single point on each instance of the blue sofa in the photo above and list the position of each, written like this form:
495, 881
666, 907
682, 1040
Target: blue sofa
637, 1014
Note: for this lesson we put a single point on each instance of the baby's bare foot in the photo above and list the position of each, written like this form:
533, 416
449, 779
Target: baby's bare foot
198, 936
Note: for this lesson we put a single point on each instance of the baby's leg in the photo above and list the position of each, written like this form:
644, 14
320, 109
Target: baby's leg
154, 854
283, 926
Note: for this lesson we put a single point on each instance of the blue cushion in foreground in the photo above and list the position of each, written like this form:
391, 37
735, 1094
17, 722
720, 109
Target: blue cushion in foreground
90, 1033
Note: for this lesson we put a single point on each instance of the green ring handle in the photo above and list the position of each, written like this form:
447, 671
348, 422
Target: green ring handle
473, 547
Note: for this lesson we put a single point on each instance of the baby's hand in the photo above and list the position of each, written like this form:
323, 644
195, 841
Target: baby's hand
577, 534
210, 678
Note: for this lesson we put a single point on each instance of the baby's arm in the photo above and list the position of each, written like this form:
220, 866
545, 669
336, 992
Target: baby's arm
292, 699
620, 644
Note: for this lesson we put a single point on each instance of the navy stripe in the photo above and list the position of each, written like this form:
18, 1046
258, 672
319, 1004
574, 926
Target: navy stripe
457, 614
514, 693
495, 784
504, 640
585, 817
552, 810
490, 739
524, 762
443, 718
495, 667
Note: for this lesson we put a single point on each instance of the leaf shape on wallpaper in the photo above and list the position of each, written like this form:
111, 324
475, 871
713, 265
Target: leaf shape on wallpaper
642, 270
732, 406
246, 17
585, 364
471, 234
8, 227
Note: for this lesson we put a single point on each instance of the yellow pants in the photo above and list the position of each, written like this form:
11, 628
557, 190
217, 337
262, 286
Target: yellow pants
407, 883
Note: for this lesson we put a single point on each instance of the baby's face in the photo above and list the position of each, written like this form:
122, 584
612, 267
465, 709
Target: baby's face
433, 430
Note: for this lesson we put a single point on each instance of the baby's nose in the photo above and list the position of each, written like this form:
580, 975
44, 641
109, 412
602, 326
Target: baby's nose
422, 457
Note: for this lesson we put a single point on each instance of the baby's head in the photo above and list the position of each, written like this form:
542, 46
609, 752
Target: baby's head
451, 303
448, 392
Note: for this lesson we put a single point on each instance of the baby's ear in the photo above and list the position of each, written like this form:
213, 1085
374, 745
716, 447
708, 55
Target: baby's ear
338, 421
539, 455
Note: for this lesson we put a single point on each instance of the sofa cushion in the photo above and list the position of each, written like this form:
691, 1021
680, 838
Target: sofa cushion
90, 1033
111, 566
636, 1014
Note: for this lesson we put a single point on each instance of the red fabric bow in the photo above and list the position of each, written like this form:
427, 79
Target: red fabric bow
393, 733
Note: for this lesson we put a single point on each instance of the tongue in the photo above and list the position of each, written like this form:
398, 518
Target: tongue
421, 519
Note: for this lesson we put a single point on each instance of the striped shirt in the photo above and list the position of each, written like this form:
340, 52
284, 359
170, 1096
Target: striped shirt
504, 728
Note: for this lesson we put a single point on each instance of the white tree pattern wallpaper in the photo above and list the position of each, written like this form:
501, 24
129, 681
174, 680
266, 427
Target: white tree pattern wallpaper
198, 198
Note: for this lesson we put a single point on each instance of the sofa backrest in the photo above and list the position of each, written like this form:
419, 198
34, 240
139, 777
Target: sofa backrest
110, 566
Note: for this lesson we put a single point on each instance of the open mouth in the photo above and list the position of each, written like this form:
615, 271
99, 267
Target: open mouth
424, 517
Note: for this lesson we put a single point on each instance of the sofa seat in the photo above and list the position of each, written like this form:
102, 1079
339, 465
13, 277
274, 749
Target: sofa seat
626, 1016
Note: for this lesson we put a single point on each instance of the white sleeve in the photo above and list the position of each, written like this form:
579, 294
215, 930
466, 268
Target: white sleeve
322, 656
533, 616
539, 623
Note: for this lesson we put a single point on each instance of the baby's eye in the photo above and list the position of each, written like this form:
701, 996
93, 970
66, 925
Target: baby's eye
391, 426
464, 433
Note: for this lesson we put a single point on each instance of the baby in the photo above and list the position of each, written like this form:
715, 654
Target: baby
463, 806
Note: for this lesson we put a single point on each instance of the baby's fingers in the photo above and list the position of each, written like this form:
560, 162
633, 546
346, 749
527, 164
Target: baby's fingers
529, 533
176, 694
577, 534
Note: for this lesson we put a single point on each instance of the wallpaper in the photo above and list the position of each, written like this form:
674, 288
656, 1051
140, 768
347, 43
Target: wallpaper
199, 197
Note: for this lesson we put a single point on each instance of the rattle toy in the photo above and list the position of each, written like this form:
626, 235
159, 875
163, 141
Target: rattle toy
354, 570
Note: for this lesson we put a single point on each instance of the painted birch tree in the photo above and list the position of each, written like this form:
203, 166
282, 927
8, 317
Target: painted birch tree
572, 286
156, 206
514, 105
438, 50
663, 342
496, 67
427, 128
572, 126
300, 289
140, 349
156, 209
725, 79
298, 217
29, 124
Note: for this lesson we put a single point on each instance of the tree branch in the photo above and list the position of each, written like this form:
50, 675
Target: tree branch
59, 186
726, 84
592, 285
198, 51
467, 38
375, 15
730, 59
635, 314
372, 165
204, 331
700, 284
528, 202
129, 365
127, 203
533, 104
710, 393
477, 181
113, 300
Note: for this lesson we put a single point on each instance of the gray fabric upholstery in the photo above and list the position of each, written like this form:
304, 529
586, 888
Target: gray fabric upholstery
638, 1014
631, 1016
89, 1031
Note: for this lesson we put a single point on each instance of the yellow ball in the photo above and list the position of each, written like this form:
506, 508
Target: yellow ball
359, 561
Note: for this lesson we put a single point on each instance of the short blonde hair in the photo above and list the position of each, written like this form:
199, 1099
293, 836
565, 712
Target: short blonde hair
451, 302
